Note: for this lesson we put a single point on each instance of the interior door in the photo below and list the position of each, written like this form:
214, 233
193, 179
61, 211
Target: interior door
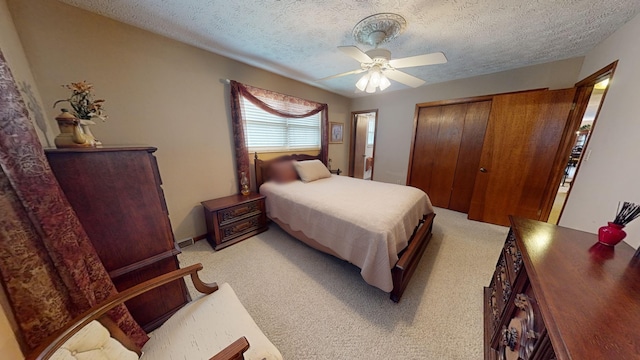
522, 140
475, 125
446, 152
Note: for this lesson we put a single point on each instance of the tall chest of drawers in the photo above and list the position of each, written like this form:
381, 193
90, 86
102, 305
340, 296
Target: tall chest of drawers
116, 193
558, 294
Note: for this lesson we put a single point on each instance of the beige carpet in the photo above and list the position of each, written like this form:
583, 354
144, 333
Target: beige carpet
314, 306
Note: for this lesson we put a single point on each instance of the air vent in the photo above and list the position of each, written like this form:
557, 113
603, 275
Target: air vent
185, 242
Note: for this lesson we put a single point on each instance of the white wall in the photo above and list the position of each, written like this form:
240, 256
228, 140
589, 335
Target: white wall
396, 109
612, 172
158, 92
14, 54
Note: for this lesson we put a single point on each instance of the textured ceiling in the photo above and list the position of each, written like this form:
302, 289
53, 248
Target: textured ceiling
299, 38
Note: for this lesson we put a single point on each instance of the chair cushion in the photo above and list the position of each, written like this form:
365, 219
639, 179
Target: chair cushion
93, 342
205, 326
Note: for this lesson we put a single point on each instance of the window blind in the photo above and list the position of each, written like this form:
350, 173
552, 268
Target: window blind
268, 132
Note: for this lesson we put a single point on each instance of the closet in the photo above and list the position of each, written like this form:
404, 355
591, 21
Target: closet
446, 152
491, 156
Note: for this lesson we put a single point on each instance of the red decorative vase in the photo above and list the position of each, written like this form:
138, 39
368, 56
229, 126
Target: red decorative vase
611, 234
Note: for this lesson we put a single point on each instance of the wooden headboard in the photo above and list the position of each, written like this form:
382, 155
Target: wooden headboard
262, 166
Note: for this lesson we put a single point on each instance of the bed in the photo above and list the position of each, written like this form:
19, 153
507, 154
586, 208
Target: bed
381, 228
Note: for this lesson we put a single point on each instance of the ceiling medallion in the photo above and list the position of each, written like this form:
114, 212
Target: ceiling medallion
379, 28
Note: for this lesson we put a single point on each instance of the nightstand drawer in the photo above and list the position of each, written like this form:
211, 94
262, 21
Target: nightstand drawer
238, 212
235, 229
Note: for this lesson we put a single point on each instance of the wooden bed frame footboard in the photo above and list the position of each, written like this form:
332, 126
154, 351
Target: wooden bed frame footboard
410, 256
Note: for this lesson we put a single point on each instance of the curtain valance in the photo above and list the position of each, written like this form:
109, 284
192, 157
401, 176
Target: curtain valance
274, 103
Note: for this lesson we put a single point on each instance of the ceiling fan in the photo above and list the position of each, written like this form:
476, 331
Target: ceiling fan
375, 30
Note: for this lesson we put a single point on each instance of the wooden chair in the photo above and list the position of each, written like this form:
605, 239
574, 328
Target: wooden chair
64, 343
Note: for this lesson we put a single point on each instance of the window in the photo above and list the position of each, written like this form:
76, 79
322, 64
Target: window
268, 132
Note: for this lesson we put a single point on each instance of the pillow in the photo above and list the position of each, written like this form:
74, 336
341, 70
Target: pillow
311, 170
283, 172
93, 341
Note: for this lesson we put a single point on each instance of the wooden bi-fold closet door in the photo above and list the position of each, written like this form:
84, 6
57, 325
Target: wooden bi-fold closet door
520, 147
446, 152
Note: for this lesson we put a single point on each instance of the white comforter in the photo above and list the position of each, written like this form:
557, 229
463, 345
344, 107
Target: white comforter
365, 222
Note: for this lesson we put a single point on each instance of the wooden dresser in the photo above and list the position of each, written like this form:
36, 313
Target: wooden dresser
558, 294
117, 195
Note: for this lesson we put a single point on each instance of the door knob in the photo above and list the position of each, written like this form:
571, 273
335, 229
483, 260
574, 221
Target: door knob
483, 170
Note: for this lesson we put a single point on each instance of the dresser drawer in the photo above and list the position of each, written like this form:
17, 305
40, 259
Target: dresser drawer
513, 257
501, 288
492, 308
523, 328
490, 319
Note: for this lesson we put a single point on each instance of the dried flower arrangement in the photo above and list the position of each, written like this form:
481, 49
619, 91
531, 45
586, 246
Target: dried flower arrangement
627, 213
612, 233
82, 102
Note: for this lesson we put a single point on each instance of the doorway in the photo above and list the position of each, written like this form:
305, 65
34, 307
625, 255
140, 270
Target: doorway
362, 150
589, 98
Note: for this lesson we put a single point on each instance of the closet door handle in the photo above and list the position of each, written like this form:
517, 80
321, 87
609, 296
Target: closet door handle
483, 170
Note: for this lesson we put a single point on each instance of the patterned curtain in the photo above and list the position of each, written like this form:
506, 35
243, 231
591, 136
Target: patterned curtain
277, 104
49, 268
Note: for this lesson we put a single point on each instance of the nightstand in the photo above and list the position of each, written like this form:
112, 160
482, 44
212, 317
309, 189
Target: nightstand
234, 218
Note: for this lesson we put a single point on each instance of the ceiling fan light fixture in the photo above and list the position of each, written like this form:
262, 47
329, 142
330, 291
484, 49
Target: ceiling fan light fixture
384, 82
370, 87
375, 30
375, 77
372, 80
362, 83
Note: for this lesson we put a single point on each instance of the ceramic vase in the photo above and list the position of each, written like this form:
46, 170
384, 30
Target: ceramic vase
611, 234
86, 129
71, 135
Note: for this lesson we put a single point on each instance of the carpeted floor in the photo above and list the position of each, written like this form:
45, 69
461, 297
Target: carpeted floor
558, 203
314, 306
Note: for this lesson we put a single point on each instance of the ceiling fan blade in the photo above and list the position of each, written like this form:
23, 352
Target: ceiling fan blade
420, 60
343, 74
356, 53
403, 78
